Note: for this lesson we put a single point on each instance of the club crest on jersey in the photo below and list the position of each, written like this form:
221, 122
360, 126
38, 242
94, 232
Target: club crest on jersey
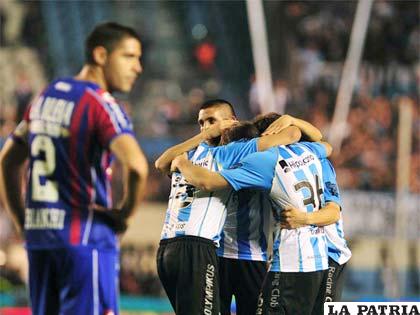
332, 188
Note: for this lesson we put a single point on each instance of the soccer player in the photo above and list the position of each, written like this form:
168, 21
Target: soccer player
293, 177
249, 259
70, 133
338, 251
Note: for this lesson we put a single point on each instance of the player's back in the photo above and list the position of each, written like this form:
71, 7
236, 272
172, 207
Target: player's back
298, 183
70, 127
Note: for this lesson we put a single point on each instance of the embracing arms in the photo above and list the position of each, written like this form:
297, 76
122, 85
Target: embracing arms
309, 130
198, 176
163, 163
293, 218
283, 131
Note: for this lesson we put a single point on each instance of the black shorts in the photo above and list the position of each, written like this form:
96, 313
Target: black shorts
333, 281
187, 267
243, 279
332, 285
290, 293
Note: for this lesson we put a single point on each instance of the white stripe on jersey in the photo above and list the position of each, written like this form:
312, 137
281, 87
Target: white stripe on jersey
89, 221
88, 227
195, 212
303, 249
95, 281
247, 239
337, 245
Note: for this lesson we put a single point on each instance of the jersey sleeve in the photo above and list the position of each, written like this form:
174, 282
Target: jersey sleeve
256, 171
228, 155
110, 121
331, 191
317, 148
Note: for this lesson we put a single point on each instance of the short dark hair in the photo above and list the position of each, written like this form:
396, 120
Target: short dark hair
217, 102
262, 121
242, 130
108, 35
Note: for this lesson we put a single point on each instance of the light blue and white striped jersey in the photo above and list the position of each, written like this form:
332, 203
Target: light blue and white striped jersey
293, 176
195, 212
246, 227
337, 245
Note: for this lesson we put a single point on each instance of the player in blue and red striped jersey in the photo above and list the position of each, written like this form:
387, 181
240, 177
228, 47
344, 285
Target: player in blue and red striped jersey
70, 133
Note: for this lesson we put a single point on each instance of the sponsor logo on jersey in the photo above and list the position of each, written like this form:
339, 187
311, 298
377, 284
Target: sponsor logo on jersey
203, 162
301, 162
284, 166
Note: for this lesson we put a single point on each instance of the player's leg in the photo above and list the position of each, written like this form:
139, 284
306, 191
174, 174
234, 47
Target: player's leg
108, 286
269, 299
334, 281
167, 267
225, 282
43, 288
89, 281
331, 287
198, 281
249, 276
299, 290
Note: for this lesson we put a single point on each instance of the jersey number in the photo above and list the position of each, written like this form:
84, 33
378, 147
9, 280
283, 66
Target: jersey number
43, 190
311, 199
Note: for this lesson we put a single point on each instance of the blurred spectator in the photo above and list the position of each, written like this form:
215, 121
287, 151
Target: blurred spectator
138, 273
13, 13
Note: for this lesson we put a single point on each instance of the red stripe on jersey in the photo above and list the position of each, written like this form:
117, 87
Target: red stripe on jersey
91, 118
75, 225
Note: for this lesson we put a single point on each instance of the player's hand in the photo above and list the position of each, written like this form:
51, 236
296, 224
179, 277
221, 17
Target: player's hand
113, 217
217, 129
292, 218
281, 123
177, 161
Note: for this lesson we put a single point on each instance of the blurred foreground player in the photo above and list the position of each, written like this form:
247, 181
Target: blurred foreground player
69, 133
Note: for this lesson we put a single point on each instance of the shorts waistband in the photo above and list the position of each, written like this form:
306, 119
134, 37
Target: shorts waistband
187, 238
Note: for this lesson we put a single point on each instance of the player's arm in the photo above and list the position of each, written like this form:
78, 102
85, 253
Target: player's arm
12, 158
163, 163
307, 129
135, 172
328, 147
286, 136
293, 218
198, 176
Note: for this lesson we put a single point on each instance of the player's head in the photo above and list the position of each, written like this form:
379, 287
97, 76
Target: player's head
212, 112
243, 130
116, 49
263, 121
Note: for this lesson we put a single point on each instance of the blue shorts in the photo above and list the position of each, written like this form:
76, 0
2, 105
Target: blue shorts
73, 280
